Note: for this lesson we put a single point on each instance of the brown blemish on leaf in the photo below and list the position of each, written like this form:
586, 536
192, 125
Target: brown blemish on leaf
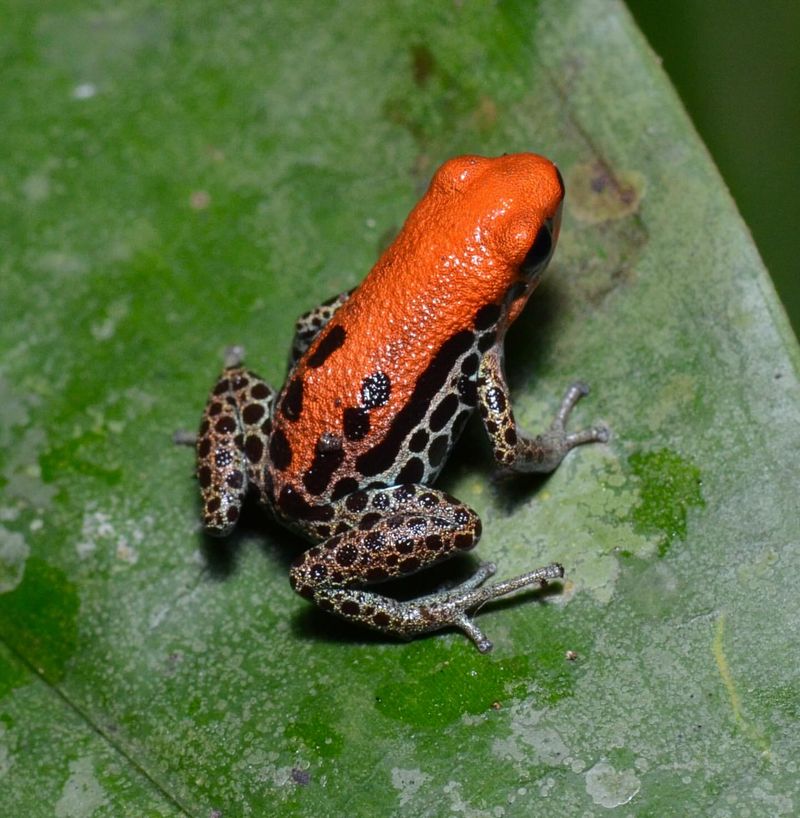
423, 64
199, 200
596, 193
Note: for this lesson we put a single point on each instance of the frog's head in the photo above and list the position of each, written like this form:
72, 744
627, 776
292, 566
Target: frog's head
511, 204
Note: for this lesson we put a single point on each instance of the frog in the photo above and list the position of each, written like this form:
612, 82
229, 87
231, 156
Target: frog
380, 383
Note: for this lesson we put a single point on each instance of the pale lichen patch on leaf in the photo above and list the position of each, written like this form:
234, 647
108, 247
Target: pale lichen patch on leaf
14, 551
609, 787
82, 795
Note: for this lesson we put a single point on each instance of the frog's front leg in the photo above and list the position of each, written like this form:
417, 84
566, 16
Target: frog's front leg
232, 443
513, 450
310, 323
395, 532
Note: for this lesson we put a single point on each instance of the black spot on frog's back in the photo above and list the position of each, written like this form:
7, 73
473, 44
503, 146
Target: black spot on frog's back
355, 423
375, 390
383, 455
487, 316
292, 403
328, 456
292, 504
280, 450
331, 341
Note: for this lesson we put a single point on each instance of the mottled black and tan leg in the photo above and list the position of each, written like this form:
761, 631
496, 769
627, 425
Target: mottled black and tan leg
435, 611
395, 532
231, 442
309, 324
513, 450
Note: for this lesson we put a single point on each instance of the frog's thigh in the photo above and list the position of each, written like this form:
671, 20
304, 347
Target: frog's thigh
394, 532
231, 444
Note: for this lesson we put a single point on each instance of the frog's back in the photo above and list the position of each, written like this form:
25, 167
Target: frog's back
385, 389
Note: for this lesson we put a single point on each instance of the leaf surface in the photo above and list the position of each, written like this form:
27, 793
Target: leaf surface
178, 180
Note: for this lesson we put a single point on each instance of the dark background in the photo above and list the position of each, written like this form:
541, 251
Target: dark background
737, 68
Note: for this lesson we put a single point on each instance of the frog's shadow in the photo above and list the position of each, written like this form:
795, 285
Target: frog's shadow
531, 336
221, 554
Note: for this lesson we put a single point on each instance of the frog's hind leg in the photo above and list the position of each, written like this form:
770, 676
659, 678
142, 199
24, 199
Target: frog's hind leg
436, 611
232, 442
395, 532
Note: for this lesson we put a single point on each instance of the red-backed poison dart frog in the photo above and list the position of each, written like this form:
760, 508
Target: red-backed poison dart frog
381, 381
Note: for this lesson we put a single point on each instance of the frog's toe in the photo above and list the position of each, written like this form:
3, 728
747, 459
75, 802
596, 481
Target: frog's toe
234, 356
602, 434
183, 437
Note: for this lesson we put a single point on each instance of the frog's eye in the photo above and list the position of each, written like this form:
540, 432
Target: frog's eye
542, 248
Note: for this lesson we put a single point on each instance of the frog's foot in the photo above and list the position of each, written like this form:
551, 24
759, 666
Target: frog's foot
594, 434
514, 451
545, 451
484, 594
434, 612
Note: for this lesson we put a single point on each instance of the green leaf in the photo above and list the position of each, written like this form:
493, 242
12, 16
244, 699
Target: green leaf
177, 179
